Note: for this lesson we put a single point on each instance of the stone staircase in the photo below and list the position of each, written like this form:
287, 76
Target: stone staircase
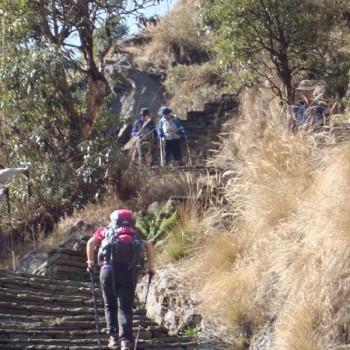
38, 312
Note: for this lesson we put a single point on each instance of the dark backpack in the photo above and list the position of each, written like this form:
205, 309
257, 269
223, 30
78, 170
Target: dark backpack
121, 245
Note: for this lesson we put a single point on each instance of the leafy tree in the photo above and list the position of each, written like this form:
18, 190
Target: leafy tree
54, 96
272, 38
56, 44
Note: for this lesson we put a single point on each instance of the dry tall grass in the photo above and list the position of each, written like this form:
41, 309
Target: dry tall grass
287, 254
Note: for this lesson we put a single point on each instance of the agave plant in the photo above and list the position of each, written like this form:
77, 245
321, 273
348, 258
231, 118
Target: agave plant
157, 221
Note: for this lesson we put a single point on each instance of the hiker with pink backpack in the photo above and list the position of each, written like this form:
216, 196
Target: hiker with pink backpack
121, 250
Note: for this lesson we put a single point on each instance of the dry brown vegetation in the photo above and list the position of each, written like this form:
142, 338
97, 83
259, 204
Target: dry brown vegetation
286, 254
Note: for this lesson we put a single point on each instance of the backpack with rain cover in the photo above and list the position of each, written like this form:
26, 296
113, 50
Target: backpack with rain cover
122, 244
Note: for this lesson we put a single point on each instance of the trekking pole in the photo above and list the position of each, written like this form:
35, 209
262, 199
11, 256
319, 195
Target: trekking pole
144, 310
29, 198
92, 277
161, 152
7, 193
139, 151
188, 150
149, 132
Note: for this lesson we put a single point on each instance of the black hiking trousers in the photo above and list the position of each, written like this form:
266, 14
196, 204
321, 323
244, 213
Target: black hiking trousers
118, 295
172, 146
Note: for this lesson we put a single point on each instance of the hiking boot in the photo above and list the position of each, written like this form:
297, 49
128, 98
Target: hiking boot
125, 345
113, 343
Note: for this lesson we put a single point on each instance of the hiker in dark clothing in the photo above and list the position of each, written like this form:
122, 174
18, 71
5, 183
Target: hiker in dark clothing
170, 131
118, 280
146, 137
308, 112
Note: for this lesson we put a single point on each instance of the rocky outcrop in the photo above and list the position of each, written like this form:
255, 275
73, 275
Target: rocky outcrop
170, 303
66, 263
134, 88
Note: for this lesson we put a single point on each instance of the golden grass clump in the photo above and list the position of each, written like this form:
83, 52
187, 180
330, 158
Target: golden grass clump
276, 172
317, 268
287, 257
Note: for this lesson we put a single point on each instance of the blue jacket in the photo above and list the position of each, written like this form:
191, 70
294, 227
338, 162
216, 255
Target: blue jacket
149, 130
312, 113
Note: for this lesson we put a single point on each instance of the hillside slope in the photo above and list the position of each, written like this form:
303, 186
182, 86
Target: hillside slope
280, 267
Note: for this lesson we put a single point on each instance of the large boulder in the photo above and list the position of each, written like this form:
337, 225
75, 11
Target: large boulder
172, 302
169, 301
33, 259
134, 88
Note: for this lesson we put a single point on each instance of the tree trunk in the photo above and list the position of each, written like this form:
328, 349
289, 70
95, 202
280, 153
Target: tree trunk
95, 95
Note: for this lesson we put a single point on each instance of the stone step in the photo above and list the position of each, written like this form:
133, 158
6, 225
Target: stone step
12, 333
86, 316
30, 277
45, 318
83, 288
45, 299
82, 344
38, 312
51, 344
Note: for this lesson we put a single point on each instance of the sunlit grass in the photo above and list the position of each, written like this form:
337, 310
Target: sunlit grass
288, 246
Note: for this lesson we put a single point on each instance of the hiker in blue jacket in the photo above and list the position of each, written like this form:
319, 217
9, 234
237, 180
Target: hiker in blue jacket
144, 126
308, 112
170, 131
145, 136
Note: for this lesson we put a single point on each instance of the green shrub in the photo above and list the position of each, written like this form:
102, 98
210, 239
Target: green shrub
156, 222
